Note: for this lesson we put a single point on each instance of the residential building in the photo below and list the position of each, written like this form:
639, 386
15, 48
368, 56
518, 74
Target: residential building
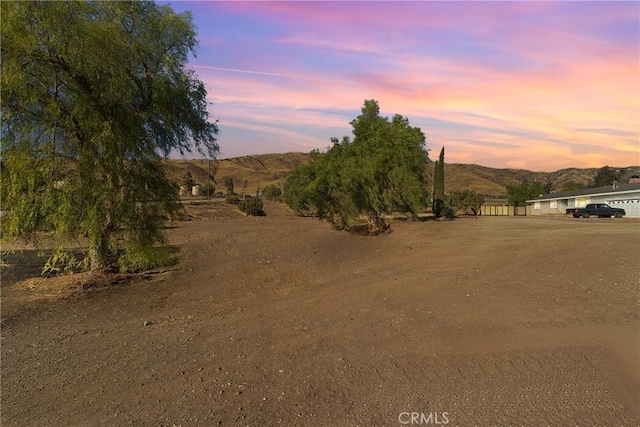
625, 196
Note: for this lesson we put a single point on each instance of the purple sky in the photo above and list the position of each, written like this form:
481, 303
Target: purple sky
535, 85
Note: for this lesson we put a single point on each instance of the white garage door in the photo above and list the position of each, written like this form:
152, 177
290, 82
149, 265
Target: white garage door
631, 206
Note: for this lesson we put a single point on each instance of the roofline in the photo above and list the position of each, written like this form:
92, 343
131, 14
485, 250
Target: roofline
582, 195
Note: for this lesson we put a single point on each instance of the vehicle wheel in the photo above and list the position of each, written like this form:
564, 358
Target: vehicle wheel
618, 215
576, 216
585, 215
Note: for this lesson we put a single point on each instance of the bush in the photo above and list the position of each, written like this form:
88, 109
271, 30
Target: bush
234, 200
465, 200
208, 189
272, 192
61, 262
251, 206
299, 192
141, 258
448, 212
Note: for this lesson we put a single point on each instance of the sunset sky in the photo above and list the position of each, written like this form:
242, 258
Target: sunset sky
534, 85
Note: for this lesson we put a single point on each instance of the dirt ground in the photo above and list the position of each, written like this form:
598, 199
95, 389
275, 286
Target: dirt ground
279, 320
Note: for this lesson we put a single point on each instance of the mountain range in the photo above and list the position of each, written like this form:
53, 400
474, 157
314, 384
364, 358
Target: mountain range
261, 170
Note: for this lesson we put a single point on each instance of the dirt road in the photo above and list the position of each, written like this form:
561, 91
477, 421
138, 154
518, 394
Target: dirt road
281, 321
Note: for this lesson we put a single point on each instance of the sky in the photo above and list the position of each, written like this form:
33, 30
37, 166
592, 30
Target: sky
534, 85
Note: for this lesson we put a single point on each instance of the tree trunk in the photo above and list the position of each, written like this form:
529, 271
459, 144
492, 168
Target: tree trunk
98, 254
376, 224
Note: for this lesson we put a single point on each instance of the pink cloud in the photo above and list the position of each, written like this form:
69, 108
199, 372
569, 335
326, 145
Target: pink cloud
548, 110
554, 77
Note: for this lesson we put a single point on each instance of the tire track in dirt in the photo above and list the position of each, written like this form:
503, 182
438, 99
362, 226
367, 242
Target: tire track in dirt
282, 321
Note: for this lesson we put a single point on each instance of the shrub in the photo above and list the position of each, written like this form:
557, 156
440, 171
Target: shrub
234, 200
208, 189
140, 258
465, 200
272, 192
251, 206
448, 212
60, 262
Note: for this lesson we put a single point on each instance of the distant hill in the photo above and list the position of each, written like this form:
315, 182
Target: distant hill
265, 169
259, 170
493, 181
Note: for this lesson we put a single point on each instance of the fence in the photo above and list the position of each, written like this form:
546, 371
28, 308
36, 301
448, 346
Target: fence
503, 210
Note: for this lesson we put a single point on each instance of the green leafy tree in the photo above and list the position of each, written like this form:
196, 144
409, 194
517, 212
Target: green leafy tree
378, 172
299, 189
572, 185
94, 95
605, 176
436, 170
438, 186
519, 194
465, 200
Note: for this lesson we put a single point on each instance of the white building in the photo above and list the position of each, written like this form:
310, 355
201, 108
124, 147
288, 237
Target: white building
625, 196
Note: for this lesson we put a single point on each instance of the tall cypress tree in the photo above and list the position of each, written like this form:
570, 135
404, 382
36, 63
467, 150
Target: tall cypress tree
435, 180
438, 185
440, 194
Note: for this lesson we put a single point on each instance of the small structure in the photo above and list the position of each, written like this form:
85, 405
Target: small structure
500, 207
495, 207
196, 190
625, 196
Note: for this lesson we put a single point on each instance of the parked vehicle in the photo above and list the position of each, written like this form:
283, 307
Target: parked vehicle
602, 210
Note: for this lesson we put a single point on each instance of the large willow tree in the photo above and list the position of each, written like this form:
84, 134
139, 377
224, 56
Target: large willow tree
94, 95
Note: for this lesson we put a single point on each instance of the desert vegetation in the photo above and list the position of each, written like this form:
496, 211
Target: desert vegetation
252, 206
520, 193
357, 181
259, 315
263, 170
85, 125
272, 192
465, 201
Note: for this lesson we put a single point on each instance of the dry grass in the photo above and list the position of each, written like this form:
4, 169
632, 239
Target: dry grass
67, 285
266, 169
57, 286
